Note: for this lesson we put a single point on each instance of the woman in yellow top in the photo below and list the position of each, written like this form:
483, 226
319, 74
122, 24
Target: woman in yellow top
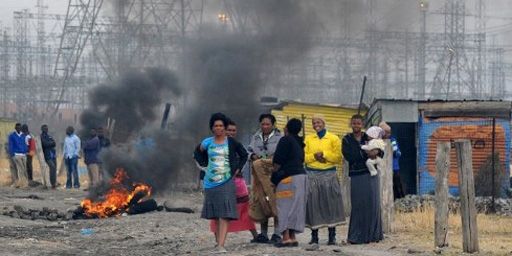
324, 205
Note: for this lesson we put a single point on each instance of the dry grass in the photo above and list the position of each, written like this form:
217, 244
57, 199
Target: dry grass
494, 232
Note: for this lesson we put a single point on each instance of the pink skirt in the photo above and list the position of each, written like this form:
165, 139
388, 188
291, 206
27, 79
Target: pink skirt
244, 221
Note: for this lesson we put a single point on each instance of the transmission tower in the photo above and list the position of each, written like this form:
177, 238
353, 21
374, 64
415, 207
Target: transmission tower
80, 20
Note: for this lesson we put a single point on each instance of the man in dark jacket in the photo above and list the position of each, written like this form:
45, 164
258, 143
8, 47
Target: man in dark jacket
91, 150
48, 144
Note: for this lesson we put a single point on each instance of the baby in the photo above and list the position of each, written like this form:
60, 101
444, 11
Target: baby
374, 149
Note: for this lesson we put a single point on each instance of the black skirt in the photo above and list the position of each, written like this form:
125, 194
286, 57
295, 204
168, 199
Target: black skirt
365, 218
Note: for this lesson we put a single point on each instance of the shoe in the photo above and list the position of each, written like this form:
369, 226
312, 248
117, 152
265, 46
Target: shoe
275, 239
219, 250
260, 239
281, 244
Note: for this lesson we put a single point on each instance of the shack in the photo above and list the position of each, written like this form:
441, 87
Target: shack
419, 125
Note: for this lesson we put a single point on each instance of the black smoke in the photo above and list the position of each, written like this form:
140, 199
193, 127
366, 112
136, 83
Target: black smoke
131, 101
228, 66
135, 102
222, 70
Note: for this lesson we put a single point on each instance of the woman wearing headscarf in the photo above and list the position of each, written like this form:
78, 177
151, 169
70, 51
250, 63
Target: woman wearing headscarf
365, 219
291, 180
324, 205
224, 157
262, 202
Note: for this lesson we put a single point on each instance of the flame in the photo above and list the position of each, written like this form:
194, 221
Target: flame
117, 199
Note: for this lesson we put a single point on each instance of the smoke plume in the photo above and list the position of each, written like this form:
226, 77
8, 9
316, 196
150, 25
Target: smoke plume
131, 101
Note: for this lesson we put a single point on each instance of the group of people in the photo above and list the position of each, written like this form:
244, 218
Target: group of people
293, 181
21, 148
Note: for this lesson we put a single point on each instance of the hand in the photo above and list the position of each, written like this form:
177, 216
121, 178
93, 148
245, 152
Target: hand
320, 157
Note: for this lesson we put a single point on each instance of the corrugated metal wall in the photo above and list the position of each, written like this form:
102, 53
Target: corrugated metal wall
337, 118
478, 130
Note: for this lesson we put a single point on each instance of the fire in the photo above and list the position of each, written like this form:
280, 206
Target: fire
118, 198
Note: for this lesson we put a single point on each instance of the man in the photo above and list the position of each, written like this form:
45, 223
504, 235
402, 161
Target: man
29, 140
105, 143
18, 153
50, 156
91, 150
71, 154
398, 190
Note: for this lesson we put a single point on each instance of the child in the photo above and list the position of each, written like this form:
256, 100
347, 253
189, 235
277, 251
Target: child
374, 149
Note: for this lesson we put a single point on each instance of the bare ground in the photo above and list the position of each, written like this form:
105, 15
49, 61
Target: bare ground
164, 233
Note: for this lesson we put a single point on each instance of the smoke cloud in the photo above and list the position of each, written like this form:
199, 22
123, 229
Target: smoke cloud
131, 101
223, 71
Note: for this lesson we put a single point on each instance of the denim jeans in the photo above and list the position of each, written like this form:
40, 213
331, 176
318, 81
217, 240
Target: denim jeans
72, 167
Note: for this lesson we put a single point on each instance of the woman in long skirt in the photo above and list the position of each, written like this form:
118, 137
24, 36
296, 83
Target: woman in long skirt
291, 180
224, 158
325, 203
365, 219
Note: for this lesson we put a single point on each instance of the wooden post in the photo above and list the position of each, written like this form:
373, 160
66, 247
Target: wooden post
467, 196
386, 189
345, 188
441, 217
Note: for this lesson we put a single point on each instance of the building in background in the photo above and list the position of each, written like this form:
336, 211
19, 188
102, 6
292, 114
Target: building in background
419, 125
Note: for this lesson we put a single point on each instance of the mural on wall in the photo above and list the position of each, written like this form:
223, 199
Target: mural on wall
478, 130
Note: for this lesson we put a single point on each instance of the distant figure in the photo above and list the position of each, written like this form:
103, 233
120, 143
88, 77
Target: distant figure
244, 222
263, 202
325, 203
18, 150
31, 144
91, 149
105, 143
71, 153
398, 188
48, 144
365, 220
291, 183
224, 157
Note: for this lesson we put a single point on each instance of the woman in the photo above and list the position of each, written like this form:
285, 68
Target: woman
291, 180
325, 205
244, 221
224, 158
263, 204
365, 222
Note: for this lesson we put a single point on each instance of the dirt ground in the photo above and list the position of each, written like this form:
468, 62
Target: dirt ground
165, 233
157, 233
